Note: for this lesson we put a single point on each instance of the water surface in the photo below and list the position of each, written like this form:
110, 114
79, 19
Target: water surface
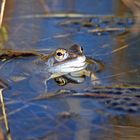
114, 114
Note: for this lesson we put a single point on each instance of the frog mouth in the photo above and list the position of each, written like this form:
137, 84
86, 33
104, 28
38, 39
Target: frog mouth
69, 65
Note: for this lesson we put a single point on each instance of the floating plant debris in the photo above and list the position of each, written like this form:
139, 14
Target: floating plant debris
6, 54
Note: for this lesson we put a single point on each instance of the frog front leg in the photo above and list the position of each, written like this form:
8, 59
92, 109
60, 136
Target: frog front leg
94, 79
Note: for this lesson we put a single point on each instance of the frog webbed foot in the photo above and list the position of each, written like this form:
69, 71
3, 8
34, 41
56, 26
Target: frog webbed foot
94, 79
96, 82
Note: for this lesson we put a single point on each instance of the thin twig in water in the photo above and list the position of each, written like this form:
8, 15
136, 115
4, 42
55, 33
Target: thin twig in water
15, 111
119, 74
71, 94
109, 29
5, 116
63, 15
2, 11
45, 6
119, 49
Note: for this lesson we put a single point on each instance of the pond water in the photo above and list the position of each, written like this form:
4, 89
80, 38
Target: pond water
79, 111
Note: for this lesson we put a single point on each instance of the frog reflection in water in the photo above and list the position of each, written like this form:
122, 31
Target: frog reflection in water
71, 65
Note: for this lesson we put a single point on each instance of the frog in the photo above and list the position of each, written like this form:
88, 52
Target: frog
71, 65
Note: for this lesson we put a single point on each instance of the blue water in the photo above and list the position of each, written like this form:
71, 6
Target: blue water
66, 117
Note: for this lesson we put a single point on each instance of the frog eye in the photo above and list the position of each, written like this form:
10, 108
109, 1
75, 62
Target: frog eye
82, 49
61, 54
76, 49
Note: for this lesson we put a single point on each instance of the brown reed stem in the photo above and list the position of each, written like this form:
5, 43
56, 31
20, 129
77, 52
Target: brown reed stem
2, 11
4, 115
